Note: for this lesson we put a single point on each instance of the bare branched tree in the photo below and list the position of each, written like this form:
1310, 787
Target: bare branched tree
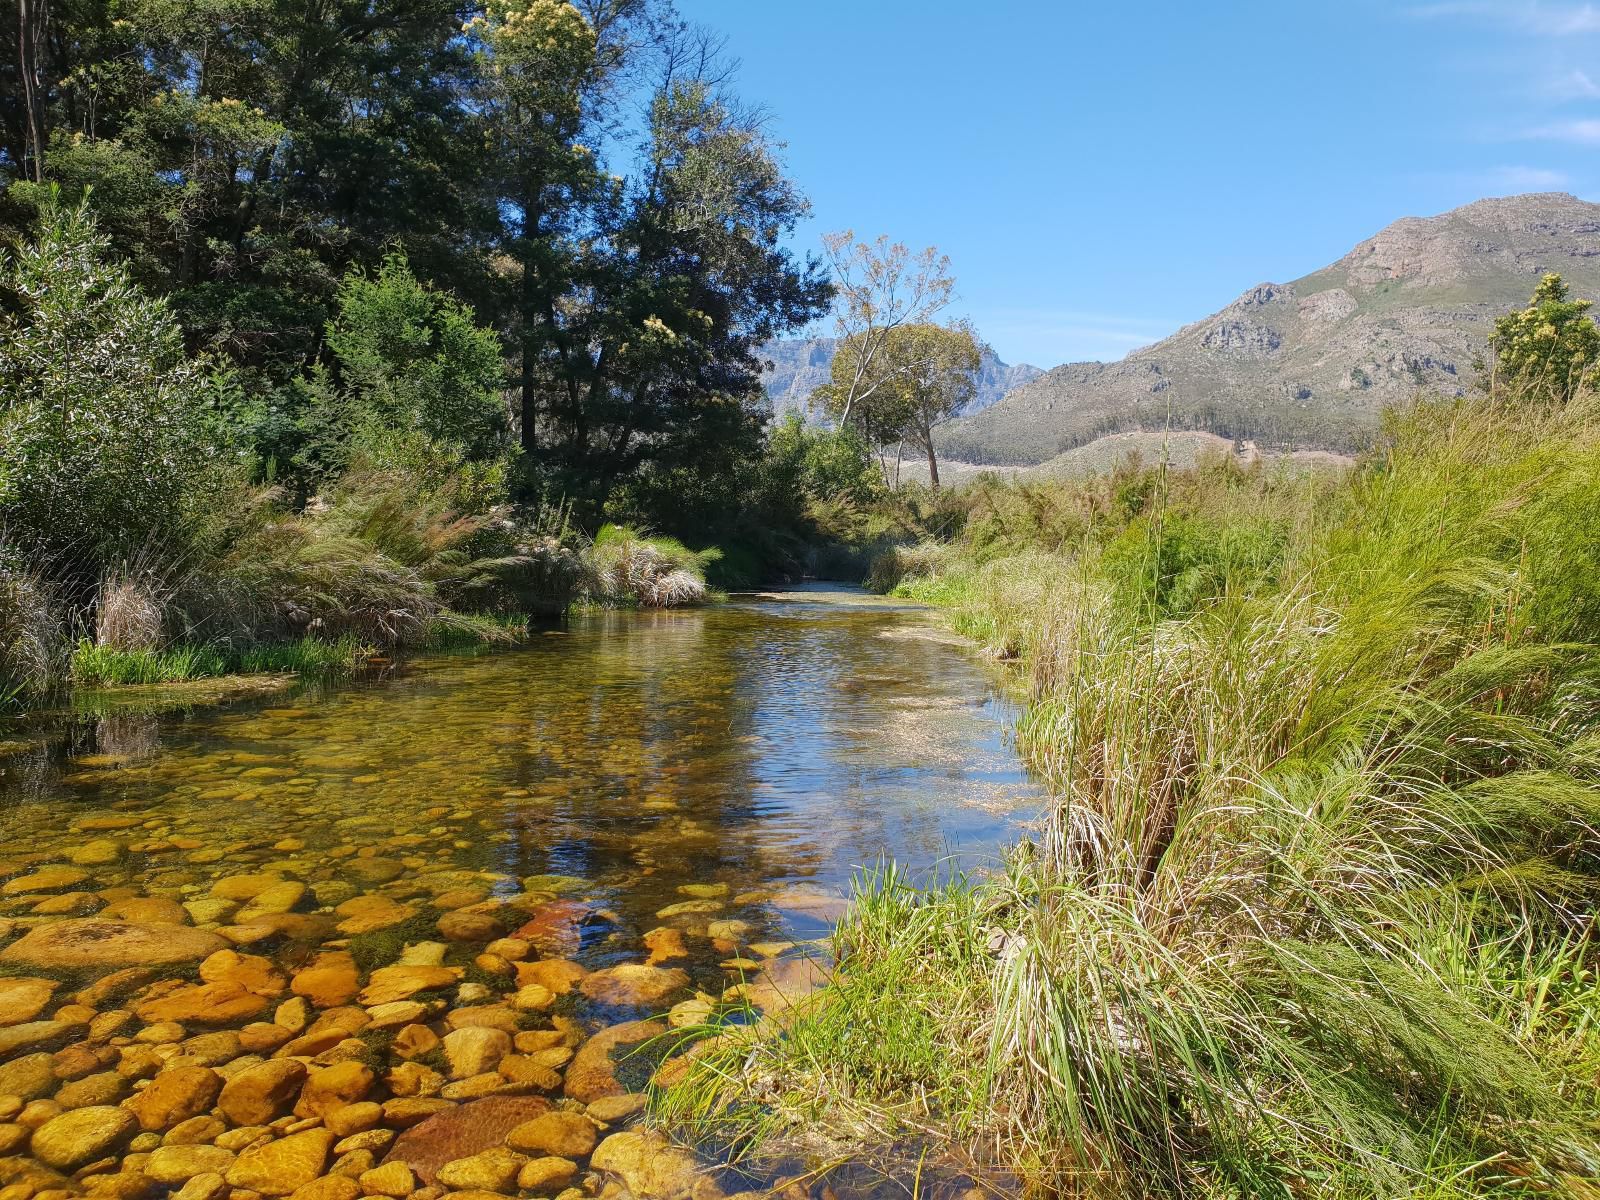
881, 287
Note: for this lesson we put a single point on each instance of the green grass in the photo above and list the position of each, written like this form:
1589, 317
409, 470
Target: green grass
1312, 911
98, 666
455, 631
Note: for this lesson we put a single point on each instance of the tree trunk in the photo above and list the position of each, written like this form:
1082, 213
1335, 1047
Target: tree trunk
32, 16
933, 462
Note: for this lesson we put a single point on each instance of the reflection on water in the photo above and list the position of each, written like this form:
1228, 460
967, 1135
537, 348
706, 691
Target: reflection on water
772, 745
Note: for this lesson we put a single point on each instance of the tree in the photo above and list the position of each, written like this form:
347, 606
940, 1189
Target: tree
938, 374
920, 376
413, 359
1551, 347
245, 155
108, 432
411, 377
881, 287
651, 363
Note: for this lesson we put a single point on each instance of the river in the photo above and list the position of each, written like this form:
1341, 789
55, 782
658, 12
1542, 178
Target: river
682, 795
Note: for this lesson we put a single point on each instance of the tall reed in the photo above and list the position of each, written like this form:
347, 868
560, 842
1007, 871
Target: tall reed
1312, 912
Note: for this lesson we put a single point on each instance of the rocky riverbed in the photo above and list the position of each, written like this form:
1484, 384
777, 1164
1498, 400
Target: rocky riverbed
411, 1035
435, 934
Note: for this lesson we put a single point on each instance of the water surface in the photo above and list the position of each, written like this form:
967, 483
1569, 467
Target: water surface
760, 752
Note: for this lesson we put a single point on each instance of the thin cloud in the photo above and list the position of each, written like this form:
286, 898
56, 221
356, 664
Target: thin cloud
1538, 20
1524, 179
1049, 336
1574, 85
1585, 132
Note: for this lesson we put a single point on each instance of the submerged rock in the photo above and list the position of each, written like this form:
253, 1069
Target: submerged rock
23, 999
461, 1132
224, 1003
46, 879
493, 1170
653, 1168
388, 984
261, 1094
82, 1135
634, 985
174, 1096
92, 943
593, 1070
562, 1134
475, 1049
278, 1168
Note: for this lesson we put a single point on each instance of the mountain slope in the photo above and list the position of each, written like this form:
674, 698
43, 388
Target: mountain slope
1312, 363
801, 365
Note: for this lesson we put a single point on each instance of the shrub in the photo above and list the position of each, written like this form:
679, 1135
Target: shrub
894, 566
32, 636
129, 612
107, 440
628, 568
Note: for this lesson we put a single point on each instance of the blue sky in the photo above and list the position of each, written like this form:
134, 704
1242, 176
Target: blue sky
1101, 174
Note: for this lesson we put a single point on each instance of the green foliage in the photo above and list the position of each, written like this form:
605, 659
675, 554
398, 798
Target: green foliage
1171, 564
413, 360
100, 666
278, 177
630, 569
821, 465
1550, 348
1311, 912
413, 386
898, 385
107, 431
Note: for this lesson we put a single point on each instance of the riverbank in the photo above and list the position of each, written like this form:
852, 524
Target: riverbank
128, 643
1312, 911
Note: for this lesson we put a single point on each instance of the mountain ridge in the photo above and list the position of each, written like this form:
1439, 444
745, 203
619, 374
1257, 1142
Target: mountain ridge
798, 366
1311, 363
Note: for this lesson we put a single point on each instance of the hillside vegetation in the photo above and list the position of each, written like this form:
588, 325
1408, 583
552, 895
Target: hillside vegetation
1311, 364
1311, 913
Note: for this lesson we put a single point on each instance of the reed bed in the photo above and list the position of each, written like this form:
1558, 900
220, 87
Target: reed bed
1313, 911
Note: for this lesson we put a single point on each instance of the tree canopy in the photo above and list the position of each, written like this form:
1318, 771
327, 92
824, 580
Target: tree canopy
575, 176
898, 387
1550, 347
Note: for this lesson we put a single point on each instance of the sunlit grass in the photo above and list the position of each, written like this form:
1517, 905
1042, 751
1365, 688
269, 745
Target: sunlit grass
1312, 913
99, 666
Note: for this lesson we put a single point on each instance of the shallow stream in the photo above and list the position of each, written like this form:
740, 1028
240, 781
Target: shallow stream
685, 795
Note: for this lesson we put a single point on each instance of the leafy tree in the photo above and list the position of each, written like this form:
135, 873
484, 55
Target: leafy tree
650, 365
821, 464
413, 380
1552, 346
109, 434
413, 358
245, 155
882, 286
920, 376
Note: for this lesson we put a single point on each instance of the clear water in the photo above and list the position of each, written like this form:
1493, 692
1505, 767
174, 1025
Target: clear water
776, 744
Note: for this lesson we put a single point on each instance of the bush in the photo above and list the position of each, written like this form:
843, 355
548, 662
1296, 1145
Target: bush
107, 430
32, 636
628, 568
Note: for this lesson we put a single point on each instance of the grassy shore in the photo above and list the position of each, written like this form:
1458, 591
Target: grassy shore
1312, 913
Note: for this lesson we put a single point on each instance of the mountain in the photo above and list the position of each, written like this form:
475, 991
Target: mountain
800, 365
1311, 364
